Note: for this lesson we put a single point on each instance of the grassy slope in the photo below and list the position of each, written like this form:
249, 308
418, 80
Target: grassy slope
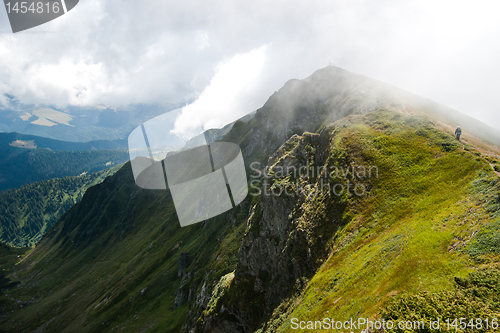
124, 274
111, 262
28, 212
8, 258
400, 237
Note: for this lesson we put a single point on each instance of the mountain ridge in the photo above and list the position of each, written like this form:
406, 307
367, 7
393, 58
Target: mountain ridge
59, 145
119, 260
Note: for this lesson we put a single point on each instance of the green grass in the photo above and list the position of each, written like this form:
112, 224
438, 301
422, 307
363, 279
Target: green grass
115, 264
398, 238
112, 261
474, 298
486, 242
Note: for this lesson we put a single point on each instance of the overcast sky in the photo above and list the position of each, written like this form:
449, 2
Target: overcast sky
230, 56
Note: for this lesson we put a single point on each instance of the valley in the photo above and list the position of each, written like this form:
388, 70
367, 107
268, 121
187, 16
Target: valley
420, 241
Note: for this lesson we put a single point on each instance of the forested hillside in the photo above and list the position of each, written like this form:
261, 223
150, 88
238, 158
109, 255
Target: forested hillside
21, 166
28, 212
413, 236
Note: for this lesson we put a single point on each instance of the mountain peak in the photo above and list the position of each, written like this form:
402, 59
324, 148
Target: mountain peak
363, 184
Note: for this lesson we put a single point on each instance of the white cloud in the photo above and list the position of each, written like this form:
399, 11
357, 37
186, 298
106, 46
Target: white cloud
204, 40
67, 81
232, 93
117, 52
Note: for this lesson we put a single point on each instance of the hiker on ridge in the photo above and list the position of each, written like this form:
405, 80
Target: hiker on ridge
458, 132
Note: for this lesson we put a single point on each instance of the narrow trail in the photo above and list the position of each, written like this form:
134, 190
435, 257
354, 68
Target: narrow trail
463, 142
463, 145
493, 167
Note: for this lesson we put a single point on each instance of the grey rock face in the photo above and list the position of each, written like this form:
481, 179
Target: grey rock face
183, 292
183, 263
284, 238
283, 243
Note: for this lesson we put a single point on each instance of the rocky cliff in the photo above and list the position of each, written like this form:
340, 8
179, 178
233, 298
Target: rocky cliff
356, 194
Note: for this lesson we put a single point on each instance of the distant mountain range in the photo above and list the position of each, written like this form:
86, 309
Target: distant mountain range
397, 245
79, 124
32, 141
27, 158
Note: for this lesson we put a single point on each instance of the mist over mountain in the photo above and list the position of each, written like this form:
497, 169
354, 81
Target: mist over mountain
425, 210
